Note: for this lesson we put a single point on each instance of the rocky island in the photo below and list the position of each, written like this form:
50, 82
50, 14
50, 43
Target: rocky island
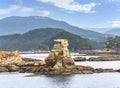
58, 62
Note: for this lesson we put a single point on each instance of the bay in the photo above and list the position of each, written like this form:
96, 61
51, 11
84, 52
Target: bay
97, 80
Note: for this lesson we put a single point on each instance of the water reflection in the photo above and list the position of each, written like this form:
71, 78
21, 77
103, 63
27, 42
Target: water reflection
60, 81
102, 80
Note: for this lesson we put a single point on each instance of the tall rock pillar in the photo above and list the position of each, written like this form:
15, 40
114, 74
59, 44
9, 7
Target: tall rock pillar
59, 56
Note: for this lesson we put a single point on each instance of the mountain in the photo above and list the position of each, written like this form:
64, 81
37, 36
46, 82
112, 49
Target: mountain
114, 31
16, 24
100, 30
35, 39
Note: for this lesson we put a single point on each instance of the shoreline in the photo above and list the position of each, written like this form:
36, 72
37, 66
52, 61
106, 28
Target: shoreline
39, 67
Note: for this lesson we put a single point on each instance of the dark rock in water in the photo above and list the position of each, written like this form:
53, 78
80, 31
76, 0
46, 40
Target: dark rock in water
80, 59
105, 58
99, 70
118, 70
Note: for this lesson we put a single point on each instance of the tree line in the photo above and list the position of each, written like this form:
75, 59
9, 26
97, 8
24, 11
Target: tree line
113, 43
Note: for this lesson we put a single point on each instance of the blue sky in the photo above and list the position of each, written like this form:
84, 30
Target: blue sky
81, 13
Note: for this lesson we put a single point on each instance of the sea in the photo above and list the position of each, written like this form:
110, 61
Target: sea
96, 80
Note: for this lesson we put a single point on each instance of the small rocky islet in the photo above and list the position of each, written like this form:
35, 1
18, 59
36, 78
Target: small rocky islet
58, 62
100, 58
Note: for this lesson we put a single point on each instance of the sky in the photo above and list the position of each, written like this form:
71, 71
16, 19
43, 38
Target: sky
80, 13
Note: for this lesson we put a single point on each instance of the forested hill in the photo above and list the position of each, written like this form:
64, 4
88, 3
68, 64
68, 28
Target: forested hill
41, 38
75, 42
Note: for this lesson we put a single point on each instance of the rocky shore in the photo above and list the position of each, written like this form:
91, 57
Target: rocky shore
40, 67
58, 62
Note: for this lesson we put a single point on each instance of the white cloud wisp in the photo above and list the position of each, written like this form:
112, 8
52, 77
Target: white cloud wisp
71, 5
115, 23
114, 0
19, 10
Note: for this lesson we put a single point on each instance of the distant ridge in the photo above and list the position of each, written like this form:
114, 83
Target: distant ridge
114, 31
35, 39
16, 24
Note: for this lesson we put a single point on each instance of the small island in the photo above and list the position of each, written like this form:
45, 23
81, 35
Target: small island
58, 62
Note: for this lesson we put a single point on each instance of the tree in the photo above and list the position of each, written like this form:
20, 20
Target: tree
113, 43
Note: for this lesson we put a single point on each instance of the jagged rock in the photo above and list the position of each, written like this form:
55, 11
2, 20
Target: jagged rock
10, 57
59, 56
59, 62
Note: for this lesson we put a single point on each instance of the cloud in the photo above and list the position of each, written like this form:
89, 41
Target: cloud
71, 5
19, 10
45, 13
115, 23
114, 0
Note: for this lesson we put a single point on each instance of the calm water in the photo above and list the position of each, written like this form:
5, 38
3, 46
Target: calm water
100, 80
95, 64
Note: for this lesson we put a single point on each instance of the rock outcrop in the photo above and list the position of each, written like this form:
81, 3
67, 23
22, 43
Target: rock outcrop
59, 62
59, 56
10, 57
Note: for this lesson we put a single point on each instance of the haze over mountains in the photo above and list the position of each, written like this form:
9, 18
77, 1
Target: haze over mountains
114, 31
16, 24
22, 33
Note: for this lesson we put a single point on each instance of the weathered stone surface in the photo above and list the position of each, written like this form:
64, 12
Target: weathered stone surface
59, 56
10, 57
3, 69
59, 62
13, 68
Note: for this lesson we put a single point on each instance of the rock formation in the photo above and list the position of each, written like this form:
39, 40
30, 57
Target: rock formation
60, 55
59, 62
7, 57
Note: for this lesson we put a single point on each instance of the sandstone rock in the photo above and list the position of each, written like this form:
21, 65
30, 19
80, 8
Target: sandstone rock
12, 68
7, 57
59, 56
3, 69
